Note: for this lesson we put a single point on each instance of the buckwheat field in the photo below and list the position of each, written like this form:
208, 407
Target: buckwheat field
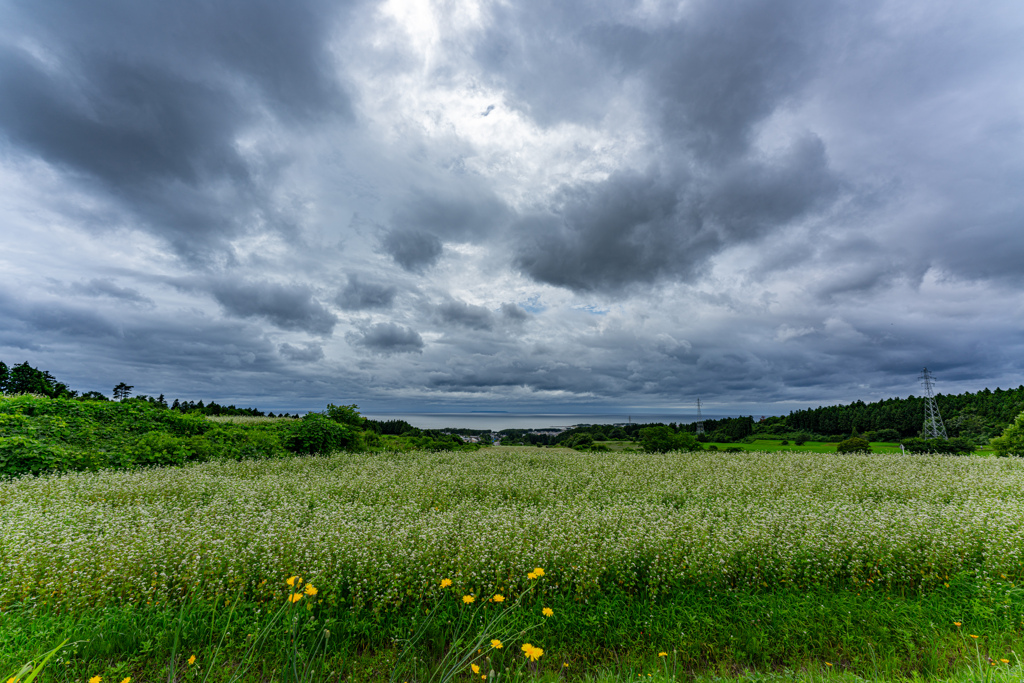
379, 531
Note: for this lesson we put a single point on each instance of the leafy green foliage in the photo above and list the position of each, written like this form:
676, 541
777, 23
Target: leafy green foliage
318, 434
854, 444
661, 439
1011, 441
954, 446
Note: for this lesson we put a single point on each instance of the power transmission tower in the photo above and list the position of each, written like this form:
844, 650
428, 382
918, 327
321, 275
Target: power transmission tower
700, 420
933, 427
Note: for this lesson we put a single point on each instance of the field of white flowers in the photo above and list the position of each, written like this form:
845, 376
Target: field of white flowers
380, 530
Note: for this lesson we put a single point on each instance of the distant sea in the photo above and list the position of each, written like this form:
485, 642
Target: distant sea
497, 421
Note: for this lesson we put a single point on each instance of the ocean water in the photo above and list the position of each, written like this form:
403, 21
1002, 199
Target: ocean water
497, 421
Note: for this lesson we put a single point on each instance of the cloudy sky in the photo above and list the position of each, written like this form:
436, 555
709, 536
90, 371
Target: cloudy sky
526, 206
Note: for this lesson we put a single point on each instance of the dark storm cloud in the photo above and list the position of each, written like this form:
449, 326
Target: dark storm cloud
104, 287
641, 228
360, 296
389, 338
413, 250
708, 80
290, 307
308, 353
145, 101
465, 315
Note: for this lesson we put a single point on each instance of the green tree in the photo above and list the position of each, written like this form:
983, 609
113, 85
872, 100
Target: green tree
122, 391
661, 439
1011, 441
5, 374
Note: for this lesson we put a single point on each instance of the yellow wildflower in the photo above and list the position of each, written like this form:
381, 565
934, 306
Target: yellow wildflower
311, 590
828, 663
468, 599
445, 583
475, 668
496, 644
192, 660
1005, 661
128, 679
531, 575
498, 597
292, 579
974, 636
548, 612
957, 624
96, 679
532, 653
663, 654
295, 597
538, 571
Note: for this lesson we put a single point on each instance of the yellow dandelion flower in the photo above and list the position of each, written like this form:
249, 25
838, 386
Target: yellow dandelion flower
957, 624
127, 679
311, 590
538, 571
192, 660
468, 599
496, 644
12, 679
532, 653
96, 679
498, 597
663, 654
828, 663
974, 636
295, 597
548, 612
292, 579
445, 583
531, 575
1005, 661
475, 668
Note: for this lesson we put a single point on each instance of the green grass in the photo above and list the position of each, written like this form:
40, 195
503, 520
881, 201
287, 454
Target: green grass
772, 563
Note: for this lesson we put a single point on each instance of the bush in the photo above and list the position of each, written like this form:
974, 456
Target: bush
661, 439
1011, 441
317, 433
23, 455
156, 448
854, 444
954, 446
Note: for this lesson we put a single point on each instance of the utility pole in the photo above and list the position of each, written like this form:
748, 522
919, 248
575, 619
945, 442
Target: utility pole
933, 427
700, 420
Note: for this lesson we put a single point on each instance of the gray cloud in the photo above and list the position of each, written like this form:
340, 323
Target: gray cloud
466, 315
290, 307
390, 338
308, 353
641, 228
413, 250
753, 201
361, 296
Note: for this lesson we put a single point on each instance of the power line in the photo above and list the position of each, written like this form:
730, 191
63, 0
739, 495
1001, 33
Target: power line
700, 420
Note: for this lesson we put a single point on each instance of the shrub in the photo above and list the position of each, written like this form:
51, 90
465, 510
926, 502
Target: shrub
1011, 441
954, 446
317, 433
661, 439
854, 444
157, 448
24, 455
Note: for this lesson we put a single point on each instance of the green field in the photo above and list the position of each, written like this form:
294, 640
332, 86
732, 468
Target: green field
763, 561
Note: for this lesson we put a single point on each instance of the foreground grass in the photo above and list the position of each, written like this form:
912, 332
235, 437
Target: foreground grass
727, 562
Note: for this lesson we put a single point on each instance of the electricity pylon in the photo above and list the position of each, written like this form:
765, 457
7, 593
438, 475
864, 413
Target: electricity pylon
933, 427
700, 420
